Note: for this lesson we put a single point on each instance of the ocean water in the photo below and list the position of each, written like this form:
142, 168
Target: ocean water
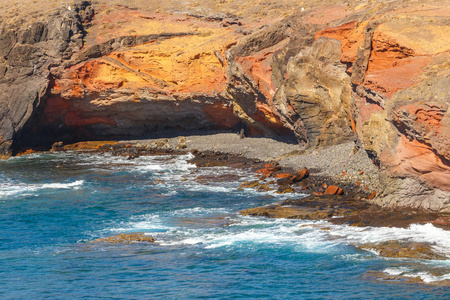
52, 206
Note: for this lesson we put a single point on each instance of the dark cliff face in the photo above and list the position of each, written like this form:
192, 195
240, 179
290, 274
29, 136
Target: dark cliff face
26, 57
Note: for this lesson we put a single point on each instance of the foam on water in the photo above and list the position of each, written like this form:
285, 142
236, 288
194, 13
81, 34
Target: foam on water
192, 227
239, 232
200, 210
9, 189
426, 276
427, 233
303, 234
140, 223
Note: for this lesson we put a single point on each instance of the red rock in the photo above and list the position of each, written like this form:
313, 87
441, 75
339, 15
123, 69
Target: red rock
445, 221
299, 175
283, 175
260, 171
334, 190
361, 173
268, 170
413, 157
371, 196
350, 35
27, 152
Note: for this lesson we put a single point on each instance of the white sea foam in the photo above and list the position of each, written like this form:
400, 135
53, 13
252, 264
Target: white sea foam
70, 185
142, 223
426, 276
10, 189
254, 233
427, 233
306, 234
199, 210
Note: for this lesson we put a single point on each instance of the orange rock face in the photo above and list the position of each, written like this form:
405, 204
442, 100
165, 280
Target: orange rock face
351, 36
375, 72
179, 70
257, 67
413, 157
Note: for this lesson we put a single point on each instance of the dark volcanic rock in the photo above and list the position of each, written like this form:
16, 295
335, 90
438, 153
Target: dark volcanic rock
348, 209
26, 55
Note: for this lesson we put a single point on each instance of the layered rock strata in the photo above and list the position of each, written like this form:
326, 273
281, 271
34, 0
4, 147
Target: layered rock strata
376, 73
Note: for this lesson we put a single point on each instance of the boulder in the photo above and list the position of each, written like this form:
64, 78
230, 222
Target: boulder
333, 190
299, 175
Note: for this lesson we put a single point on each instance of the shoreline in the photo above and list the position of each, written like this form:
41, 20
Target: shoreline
342, 166
351, 209
341, 163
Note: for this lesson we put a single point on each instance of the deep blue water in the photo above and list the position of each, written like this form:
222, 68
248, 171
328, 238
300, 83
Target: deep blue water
53, 205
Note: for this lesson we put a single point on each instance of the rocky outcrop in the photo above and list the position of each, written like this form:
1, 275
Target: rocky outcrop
400, 106
314, 99
131, 86
346, 209
404, 249
26, 54
257, 66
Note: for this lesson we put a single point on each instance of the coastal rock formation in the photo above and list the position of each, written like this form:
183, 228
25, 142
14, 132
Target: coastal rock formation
314, 99
257, 68
404, 249
26, 52
129, 86
372, 72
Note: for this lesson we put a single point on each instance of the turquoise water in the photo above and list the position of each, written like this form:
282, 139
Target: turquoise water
53, 205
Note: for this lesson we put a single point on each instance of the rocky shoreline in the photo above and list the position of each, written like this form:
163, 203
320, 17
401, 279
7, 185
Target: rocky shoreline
345, 197
280, 167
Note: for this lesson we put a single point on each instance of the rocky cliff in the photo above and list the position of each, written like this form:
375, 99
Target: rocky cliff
376, 73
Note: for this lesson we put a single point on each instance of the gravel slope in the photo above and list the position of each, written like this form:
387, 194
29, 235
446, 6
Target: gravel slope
341, 162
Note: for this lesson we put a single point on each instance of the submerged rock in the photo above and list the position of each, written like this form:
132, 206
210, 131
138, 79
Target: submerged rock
274, 211
250, 184
404, 249
126, 238
404, 278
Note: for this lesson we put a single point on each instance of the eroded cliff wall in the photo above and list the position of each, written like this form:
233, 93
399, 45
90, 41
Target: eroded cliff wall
376, 73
